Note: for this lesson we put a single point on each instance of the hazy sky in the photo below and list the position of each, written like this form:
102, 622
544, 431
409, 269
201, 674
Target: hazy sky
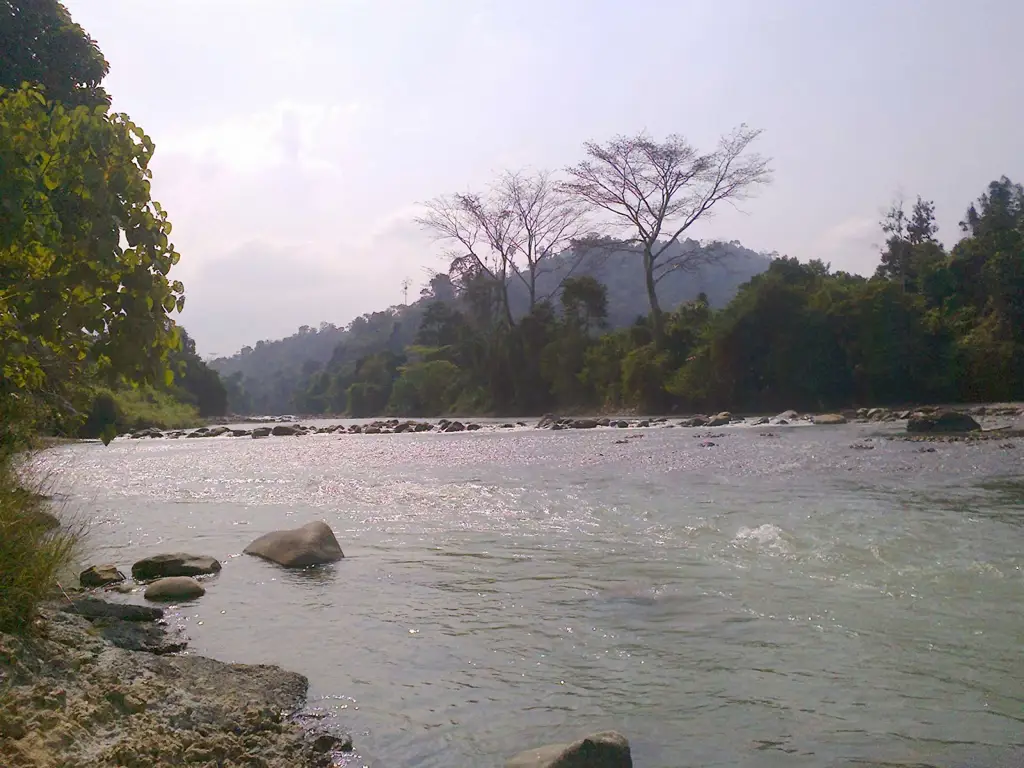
294, 139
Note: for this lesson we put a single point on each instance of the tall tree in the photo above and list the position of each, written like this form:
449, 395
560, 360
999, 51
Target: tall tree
481, 236
910, 245
655, 191
42, 45
546, 221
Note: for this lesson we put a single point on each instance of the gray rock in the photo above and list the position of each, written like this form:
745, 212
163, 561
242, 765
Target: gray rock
133, 636
175, 588
284, 430
174, 564
261, 432
601, 750
455, 426
547, 420
472, 427
218, 431
943, 421
762, 420
787, 416
100, 576
312, 544
93, 608
584, 424
828, 419
240, 433
621, 424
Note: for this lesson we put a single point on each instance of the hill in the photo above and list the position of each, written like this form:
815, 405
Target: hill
264, 379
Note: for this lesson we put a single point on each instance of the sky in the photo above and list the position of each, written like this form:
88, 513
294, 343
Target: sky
296, 140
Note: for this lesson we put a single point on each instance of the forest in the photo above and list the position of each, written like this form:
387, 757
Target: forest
930, 325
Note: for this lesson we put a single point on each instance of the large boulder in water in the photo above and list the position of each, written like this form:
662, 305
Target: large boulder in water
175, 588
943, 421
175, 564
312, 544
601, 750
720, 420
284, 430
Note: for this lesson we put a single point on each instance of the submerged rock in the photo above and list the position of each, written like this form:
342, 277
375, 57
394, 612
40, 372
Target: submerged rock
943, 421
175, 564
312, 544
601, 750
584, 424
175, 588
100, 576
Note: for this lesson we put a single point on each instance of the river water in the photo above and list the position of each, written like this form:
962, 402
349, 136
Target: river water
785, 600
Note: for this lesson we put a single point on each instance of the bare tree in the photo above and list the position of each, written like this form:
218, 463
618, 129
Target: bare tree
656, 191
481, 236
547, 221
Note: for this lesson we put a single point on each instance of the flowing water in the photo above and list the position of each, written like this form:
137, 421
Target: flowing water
765, 601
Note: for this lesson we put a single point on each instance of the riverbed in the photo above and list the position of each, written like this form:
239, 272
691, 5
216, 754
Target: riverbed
774, 596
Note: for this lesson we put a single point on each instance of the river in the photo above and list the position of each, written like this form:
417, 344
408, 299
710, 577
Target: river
787, 600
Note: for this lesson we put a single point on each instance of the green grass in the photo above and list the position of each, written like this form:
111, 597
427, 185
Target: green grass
34, 552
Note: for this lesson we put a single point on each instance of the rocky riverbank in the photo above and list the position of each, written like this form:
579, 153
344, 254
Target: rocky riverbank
554, 423
94, 686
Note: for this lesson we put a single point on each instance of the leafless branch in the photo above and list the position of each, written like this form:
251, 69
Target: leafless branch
653, 192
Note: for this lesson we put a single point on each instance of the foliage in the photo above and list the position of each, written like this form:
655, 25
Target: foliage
75, 303
33, 552
41, 44
126, 409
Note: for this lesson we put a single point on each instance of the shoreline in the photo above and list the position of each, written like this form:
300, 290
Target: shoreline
84, 691
288, 426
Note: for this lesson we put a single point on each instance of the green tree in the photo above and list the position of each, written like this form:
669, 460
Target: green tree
40, 44
84, 252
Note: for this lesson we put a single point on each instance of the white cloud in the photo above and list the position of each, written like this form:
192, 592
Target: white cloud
308, 136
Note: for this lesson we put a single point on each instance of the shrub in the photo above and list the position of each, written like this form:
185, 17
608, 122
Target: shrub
34, 551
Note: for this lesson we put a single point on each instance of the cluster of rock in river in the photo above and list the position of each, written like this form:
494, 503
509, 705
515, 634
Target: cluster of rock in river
924, 419
222, 714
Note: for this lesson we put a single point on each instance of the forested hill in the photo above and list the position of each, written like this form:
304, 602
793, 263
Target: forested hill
623, 278
265, 378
